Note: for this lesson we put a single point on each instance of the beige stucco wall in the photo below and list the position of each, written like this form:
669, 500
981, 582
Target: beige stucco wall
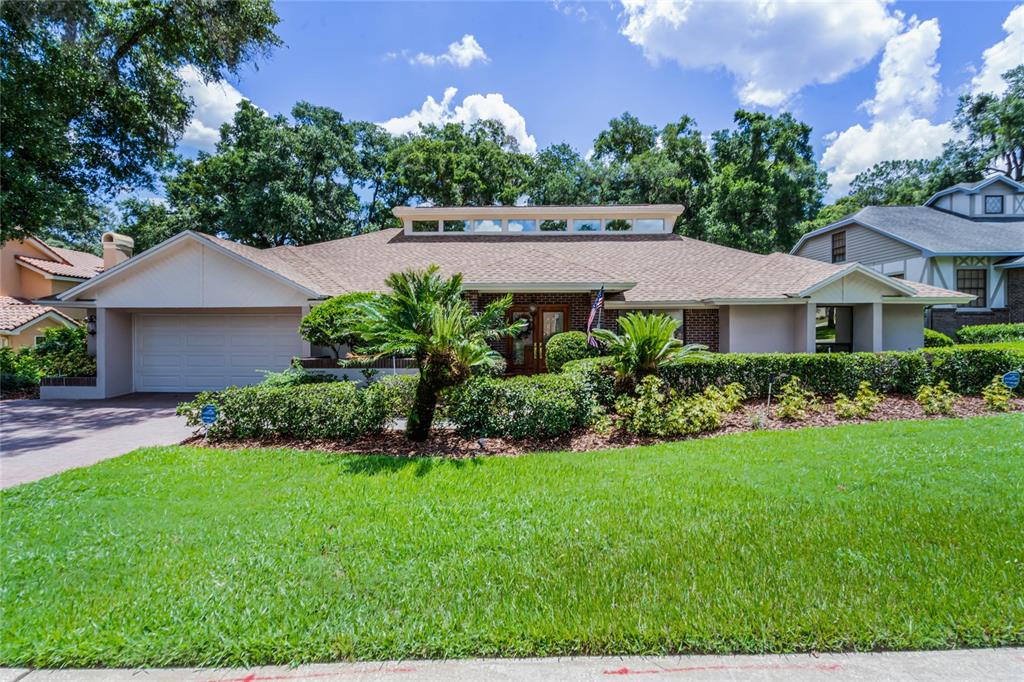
114, 356
27, 337
16, 280
762, 328
902, 327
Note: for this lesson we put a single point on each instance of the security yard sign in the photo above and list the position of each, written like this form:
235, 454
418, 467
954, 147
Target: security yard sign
1011, 380
209, 414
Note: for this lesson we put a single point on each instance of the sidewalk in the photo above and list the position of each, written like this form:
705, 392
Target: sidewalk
979, 664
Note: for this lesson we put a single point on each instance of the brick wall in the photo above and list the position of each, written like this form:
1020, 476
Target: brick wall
579, 304
1015, 294
949, 320
700, 325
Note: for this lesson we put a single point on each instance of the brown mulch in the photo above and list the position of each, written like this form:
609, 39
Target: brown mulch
445, 443
30, 393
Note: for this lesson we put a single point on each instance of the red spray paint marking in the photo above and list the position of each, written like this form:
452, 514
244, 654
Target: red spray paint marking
253, 677
821, 667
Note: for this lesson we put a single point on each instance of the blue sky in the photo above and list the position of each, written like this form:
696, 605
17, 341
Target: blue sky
876, 80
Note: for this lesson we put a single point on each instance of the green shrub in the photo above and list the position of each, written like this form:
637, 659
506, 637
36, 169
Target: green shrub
691, 415
991, 333
795, 401
566, 347
653, 412
644, 413
335, 410
967, 370
398, 392
727, 399
333, 323
937, 399
862, 405
934, 339
295, 375
18, 369
542, 405
997, 395
598, 374
63, 353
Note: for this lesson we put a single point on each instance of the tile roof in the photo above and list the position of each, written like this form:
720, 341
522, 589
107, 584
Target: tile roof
653, 268
80, 271
80, 259
17, 312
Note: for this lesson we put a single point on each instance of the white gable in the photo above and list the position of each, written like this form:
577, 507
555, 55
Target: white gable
855, 287
190, 274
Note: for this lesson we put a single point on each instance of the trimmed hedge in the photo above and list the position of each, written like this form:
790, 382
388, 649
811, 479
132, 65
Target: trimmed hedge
967, 370
336, 410
566, 347
934, 339
991, 333
542, 405
598, 374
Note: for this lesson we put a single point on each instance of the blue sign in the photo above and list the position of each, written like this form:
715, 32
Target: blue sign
1011, 380
209, 414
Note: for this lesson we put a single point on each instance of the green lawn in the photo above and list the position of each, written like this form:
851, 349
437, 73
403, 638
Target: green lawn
898, 535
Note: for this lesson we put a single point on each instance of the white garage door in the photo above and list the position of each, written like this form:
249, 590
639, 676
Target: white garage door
211, 351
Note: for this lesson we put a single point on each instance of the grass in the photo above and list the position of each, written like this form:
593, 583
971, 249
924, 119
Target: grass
898, 535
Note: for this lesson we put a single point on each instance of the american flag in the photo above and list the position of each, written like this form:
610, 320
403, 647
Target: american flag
598, 303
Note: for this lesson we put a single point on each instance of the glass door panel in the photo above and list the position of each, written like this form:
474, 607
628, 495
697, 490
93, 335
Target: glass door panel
552, 322
521, 357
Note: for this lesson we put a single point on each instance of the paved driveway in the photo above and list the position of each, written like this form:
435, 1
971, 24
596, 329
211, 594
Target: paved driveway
39, 438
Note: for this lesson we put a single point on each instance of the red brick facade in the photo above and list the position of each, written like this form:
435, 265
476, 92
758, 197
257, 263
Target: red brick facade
1015, 294
949, 320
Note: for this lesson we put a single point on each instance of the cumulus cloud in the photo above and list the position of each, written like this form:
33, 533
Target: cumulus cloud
1001, 57
906, 92
215, 103
473, 108
462, 53
772, 48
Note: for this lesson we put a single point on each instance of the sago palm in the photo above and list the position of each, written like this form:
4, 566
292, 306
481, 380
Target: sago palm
645, 344
426, 318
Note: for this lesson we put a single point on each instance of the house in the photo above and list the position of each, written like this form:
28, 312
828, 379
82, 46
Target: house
31, 269
969, 237
199, 312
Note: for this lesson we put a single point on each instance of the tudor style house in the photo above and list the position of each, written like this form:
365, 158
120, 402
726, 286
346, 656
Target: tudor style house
199, 312
969, 237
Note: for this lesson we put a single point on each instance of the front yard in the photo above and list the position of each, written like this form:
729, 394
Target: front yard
898, 535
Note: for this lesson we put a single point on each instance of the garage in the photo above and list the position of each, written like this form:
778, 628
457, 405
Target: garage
203, 351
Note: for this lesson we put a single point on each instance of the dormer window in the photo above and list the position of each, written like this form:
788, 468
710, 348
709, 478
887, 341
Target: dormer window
838, 247
993, 204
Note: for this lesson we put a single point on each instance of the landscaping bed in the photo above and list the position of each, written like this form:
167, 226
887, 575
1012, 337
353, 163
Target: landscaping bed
754, 415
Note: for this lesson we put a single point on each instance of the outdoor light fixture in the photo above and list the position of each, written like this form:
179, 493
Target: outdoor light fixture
90, 325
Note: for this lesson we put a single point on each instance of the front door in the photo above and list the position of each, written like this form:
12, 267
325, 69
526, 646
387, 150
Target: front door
526, 352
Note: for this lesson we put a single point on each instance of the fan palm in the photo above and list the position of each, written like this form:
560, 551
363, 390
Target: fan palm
647, 343
426, 318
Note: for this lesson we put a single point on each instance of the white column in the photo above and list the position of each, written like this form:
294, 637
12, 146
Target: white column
810, 328
307, 347
876, 327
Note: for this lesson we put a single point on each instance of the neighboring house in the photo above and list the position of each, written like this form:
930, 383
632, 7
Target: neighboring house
969, 237
199, 312
31, 269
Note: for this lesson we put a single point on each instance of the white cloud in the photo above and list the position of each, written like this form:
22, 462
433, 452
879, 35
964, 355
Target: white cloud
772, 48
473, 108
215, 103
906, 91
1002, 56
462, 53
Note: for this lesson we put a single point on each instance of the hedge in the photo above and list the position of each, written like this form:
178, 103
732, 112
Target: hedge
967, 370
336, 410
991, 333
566, 347
934, 339
542, 405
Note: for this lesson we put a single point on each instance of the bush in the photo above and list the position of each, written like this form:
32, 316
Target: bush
991, 333
644, 413
295, 375
934, 339
566, 347
63, 353
542, 405
729, 398
997, 395
333, 322
937, 399
967, 370
653, 413
398, 391
795, 401
862, 405
18, 369
598, 374
336, 410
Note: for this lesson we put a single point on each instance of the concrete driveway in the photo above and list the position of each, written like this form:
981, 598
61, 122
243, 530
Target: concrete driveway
39, 438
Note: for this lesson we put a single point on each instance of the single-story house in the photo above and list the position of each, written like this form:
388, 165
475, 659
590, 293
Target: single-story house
199, 312
968, 237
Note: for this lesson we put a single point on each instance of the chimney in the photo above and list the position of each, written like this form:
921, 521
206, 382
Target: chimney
117, 248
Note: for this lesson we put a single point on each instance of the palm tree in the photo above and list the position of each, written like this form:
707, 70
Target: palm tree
425, 317
647, 343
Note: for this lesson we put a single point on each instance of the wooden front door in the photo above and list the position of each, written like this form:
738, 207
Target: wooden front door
526, 352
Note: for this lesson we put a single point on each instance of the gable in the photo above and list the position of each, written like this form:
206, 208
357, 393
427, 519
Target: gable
863, 245
855, 287
190, 274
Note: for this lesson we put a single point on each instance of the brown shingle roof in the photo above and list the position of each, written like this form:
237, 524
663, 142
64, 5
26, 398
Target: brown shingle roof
16, 312
653, 268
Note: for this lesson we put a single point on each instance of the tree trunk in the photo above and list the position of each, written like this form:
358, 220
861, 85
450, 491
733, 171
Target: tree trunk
421, 417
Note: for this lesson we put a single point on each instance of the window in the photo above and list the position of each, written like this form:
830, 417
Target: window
522, 226
838, 247
618, 225
650, 225
38, 339
972, 282
487, 226
586, 225
994, 203
424, 226
553, 226
455, 226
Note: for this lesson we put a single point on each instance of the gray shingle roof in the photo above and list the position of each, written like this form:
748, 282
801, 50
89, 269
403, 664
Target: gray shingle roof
939, 232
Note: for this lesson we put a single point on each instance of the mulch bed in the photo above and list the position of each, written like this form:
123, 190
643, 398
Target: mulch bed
445, 443
30, 393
